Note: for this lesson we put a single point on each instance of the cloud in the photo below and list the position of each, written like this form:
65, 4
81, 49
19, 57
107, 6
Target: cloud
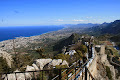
89, 17
59, 20
78, 20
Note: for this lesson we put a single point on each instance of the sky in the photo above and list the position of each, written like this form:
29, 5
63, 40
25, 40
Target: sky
57, 12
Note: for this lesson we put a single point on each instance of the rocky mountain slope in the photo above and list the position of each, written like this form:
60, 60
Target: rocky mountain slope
106, 28
67, 41
105, 71
39, 64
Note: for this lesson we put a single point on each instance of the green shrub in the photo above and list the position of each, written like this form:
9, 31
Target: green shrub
62, 56
108, 73
43, 75
80, 53
3, 65
21, 60
63, 74
80, 47
60, 66
40, 51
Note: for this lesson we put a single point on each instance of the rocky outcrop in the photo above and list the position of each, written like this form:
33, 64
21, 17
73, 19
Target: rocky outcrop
42, 62
29, 75
65, 63
30, 68
19, 76
6, 56
39, 64
71, 52
35, 66
55, 62
102, 62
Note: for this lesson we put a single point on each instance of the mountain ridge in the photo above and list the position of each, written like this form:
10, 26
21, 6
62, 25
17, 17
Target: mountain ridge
106, 28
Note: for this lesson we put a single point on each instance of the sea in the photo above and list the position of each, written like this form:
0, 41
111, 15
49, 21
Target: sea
7, 33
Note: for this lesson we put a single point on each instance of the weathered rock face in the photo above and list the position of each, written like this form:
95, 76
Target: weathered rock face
65, 63
10, 77
29, 75
30, 68
35, 66
55, 62
102, 62
19, 76
39, 64
6, 56
42, 62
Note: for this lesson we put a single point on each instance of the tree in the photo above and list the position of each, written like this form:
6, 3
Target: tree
80, 47
108, 73
40, 51
64, 74
3, 65
79, 53
22, 61
83, 48
62, 56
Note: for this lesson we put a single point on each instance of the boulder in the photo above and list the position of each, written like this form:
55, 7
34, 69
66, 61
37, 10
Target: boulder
42, 62
35, 67
65, 63
10, 76
30, 68
55, 62
29, 75
19, 76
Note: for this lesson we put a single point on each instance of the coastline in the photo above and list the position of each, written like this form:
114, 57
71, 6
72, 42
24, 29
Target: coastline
38, 40
44, 38
62, 27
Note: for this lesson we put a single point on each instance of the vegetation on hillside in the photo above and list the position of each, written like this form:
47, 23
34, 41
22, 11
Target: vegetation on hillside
40, 51
62, 56
3, 65
108, 73
21, 61
113, 54
65, 42
116, 38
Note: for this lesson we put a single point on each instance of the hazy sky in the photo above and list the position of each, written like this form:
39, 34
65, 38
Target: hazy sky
56, 12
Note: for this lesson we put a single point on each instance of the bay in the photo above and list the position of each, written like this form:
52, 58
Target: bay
25, 31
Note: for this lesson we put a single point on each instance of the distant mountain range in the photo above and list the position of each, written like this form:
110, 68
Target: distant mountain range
82, 25
105, 28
